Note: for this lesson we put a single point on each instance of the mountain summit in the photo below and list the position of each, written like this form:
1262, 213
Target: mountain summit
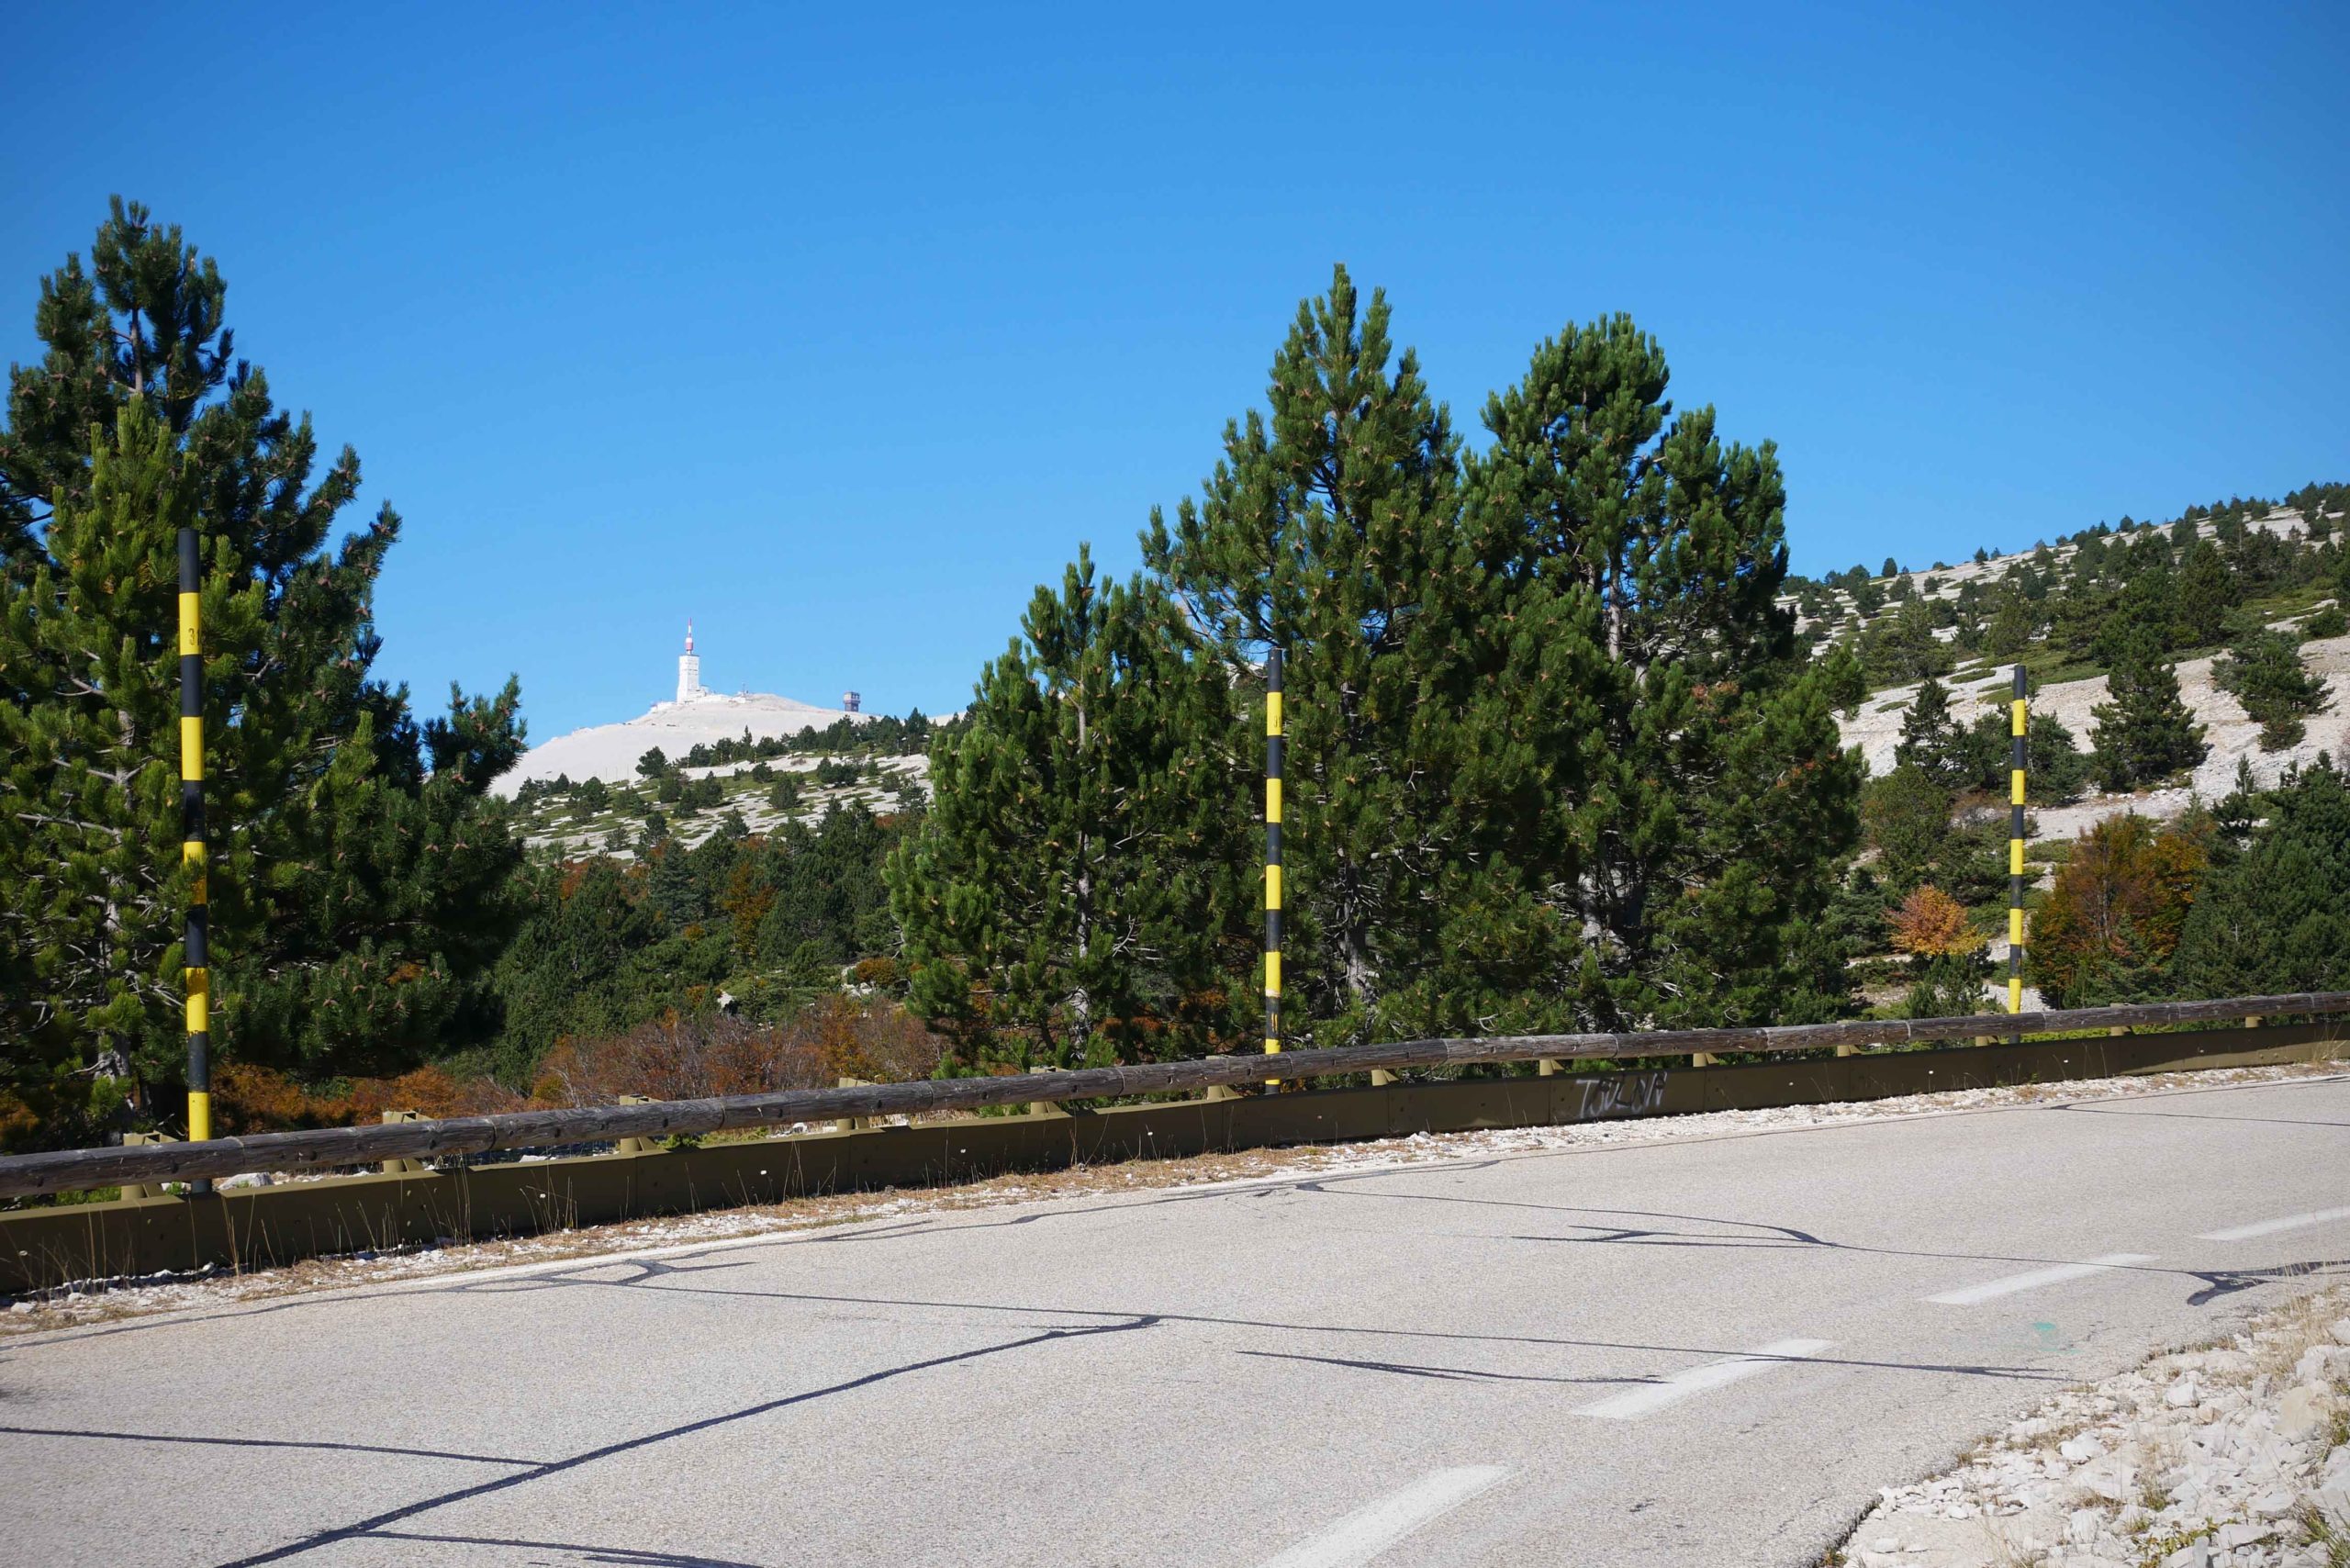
696, 716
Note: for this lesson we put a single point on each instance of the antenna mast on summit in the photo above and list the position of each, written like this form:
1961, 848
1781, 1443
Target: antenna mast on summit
688, 668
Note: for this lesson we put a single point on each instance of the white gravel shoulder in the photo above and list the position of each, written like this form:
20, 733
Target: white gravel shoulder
2236, 1453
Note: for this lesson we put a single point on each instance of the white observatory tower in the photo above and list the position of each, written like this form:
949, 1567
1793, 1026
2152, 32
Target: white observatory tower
688, 669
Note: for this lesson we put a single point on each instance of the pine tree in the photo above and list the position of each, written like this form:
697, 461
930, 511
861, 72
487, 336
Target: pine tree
1080, 890
1323, 530
2265, 672
1934, 740
1685, 798
2207, 591
90, 797
2055, 768
2145, 733
1906, 816
356, 901
1555, 755
2271, 919
2011, 627
2146, 610
1902, 647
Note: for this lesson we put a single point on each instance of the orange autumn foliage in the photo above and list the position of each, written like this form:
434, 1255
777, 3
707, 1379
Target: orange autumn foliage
2121, 901
683, 1057
247, 1098
1931, 924
671, 1057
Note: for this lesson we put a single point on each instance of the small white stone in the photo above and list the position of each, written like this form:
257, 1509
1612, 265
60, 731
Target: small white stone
2081, 1449
2341, 1330
2302, 1415
2181, 1394
2108, 1478
2273, 1505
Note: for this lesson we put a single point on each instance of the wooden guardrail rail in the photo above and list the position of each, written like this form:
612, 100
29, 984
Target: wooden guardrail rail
335, 1149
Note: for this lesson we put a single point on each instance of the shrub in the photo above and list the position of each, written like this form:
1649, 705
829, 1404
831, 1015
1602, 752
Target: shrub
1931, 924
2264, 670
251, 1098
1905, 816
2115, 916
2327, 622
693, 1056
1946, 963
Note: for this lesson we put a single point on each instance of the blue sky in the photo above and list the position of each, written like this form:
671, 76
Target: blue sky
837, 329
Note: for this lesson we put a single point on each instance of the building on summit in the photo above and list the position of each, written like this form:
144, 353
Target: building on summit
697, 715
690, 685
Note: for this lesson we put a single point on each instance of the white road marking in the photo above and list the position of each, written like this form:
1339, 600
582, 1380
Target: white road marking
1640, 1401
2271, 1227
2054, 1275
1368, 1531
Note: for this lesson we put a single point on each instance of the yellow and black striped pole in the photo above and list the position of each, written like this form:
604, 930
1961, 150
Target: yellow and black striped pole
2016, 766
198, 973
1273, 854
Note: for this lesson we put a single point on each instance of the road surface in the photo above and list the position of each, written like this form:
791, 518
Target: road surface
1684, 1353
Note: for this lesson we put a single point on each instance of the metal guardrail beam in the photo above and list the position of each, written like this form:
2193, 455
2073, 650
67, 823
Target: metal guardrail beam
335, 1149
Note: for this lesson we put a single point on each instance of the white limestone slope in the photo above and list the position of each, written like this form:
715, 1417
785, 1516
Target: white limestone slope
2232, 736
610, 751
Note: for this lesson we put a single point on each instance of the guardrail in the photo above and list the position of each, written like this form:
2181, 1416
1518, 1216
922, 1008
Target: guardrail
343, 1147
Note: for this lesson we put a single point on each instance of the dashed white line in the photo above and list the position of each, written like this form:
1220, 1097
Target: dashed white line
2054, 1275
1638, 1402
2272, 1226
1370, 1530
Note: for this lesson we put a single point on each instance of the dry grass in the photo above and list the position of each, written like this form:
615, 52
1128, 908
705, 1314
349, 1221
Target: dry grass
2330, 1535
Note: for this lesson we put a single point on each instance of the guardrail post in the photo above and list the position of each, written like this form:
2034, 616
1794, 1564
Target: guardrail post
2252, 1022
1845, 1050
1546, 1067
144, 1188
856, 1123
1380, 1078
402, 1167
1703, 1058
637, 1145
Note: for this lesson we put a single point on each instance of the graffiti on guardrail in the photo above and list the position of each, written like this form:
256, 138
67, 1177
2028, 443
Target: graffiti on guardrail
1621, 1095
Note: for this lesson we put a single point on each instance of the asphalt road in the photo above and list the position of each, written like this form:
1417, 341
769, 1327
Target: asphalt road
1689, 1352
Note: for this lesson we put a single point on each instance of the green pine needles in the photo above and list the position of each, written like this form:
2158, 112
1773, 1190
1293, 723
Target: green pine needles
359, 874
1554, 757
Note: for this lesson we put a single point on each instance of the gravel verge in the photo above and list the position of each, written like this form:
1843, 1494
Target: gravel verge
2236, 1452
